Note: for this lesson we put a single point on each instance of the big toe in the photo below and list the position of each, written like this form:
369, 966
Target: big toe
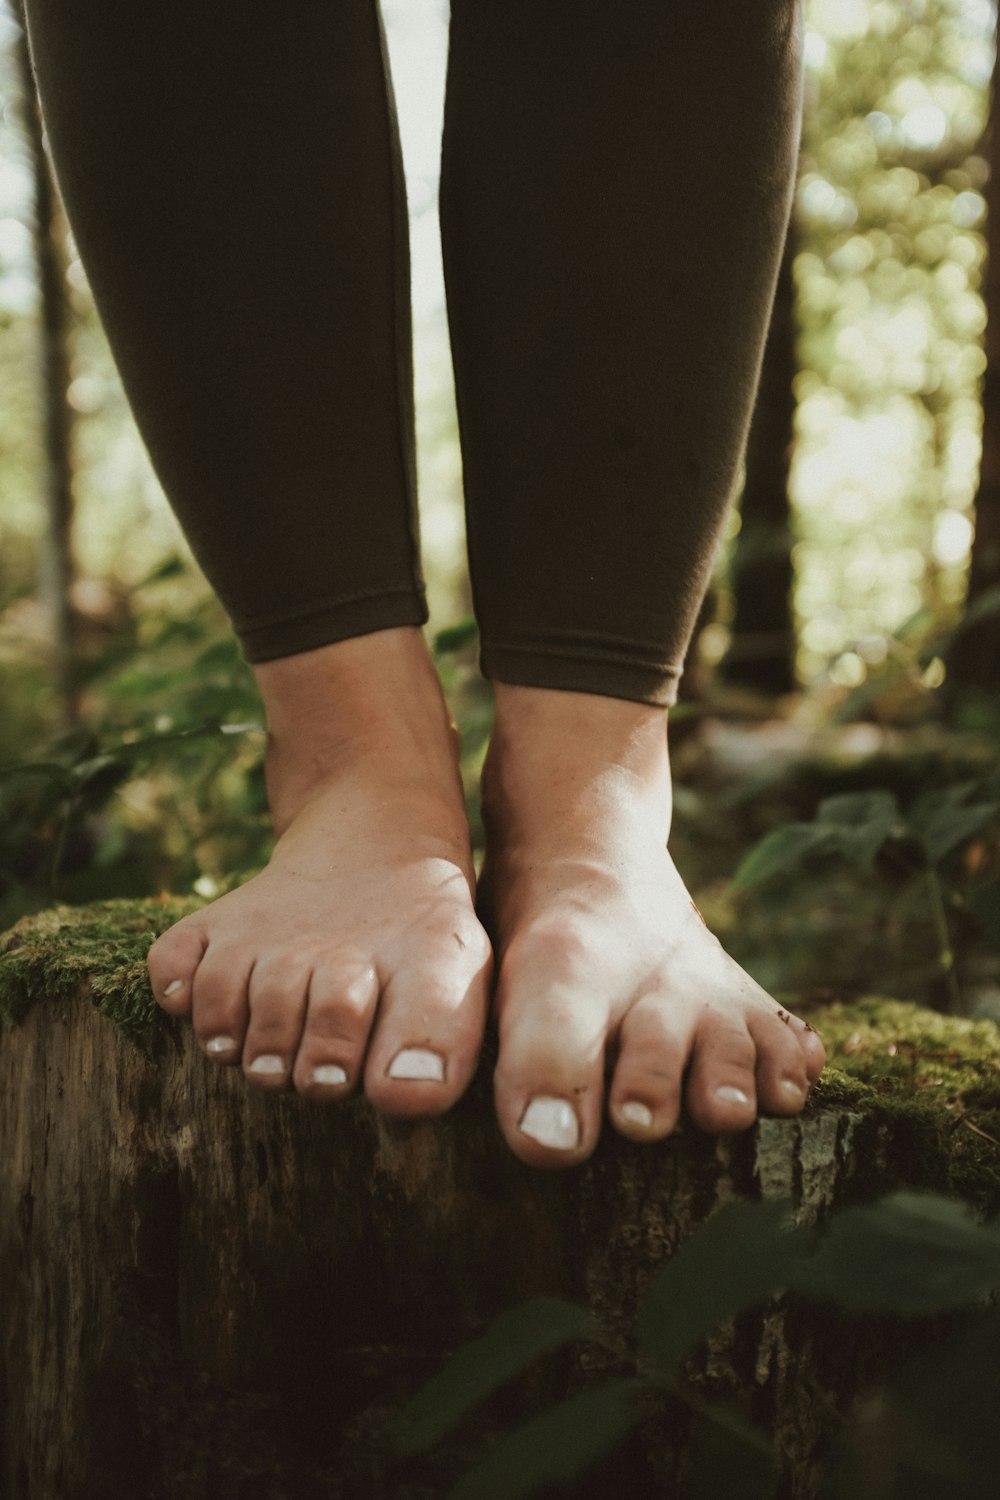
549, 1079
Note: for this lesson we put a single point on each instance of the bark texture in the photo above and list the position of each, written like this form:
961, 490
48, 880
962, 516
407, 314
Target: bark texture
214, 1293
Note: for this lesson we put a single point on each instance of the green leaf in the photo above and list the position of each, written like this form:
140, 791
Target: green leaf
910, 1253
951, 826
859, 809
94, 780
862, 820
784, 850
729, 1456
20, 769
171, 567
557, 1445
455, 637
740, 1257
511, 1342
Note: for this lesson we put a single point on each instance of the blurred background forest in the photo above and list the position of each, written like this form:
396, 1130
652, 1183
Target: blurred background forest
836, 747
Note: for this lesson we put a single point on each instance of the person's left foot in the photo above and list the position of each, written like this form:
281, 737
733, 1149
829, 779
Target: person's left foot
602, 952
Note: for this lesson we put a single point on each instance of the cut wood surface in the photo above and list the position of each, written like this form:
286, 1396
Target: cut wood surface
212, 1292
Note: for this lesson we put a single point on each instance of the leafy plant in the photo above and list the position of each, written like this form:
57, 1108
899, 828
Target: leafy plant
860, 828
910, 1254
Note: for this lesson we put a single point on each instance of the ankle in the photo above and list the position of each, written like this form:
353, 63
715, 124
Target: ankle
562, 753
374, 699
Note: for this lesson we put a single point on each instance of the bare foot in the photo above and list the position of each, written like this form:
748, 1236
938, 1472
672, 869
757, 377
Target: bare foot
601, 948
356, 954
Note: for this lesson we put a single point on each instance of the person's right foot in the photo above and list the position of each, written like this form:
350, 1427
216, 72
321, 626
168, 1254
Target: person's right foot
356, 955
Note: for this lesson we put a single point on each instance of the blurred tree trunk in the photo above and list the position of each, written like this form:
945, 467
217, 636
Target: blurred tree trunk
49, 232
975, 656
761, 654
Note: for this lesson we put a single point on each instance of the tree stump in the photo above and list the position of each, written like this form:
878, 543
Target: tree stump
212, 1292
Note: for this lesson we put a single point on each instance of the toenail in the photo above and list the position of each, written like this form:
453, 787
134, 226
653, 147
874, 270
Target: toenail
793, 1092
268, 1062
220, 1044
636, 1113
328, 1073
732, 1095
172, 988
551, 1122
417, 1062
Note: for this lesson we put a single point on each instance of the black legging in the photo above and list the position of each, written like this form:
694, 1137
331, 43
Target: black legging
616, 185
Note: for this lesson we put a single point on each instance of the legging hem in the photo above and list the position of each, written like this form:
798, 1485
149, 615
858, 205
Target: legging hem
610, 675
335, 621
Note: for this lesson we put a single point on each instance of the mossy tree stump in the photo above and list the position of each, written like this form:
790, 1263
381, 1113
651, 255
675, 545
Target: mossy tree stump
211, 1292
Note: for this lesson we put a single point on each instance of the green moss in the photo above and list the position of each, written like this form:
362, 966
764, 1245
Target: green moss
838, 1090
932, 1082
98, 950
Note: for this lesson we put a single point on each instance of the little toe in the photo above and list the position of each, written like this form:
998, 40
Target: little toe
219, 1001
427, 1036
172, 961
277, 997
782, 1080
549, 1081
812, 1048
340, 1009
645, 1097
721, 1090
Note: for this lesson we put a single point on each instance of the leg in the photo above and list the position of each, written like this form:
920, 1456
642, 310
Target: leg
233, 176
616, 188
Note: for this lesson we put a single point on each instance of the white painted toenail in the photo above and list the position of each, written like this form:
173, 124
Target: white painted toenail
551, 1122
220, 1044
636, 1113
732, 1095
172, 988
328, 1073
794, 1092
268, 1062
417, 1062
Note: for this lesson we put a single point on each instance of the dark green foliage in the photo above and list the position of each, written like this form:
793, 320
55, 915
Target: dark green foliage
920, 849
556, 1445
908, 1254
164, 786
702, 1284
512, 1342
856, 826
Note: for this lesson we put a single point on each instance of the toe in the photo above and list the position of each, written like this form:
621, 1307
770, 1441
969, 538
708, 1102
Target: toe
812, 1048
219, 1005
645, 1096
721, 1091
782, 1079
340, 1010
277, 998
172, 961
549, 1080
428, 1033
